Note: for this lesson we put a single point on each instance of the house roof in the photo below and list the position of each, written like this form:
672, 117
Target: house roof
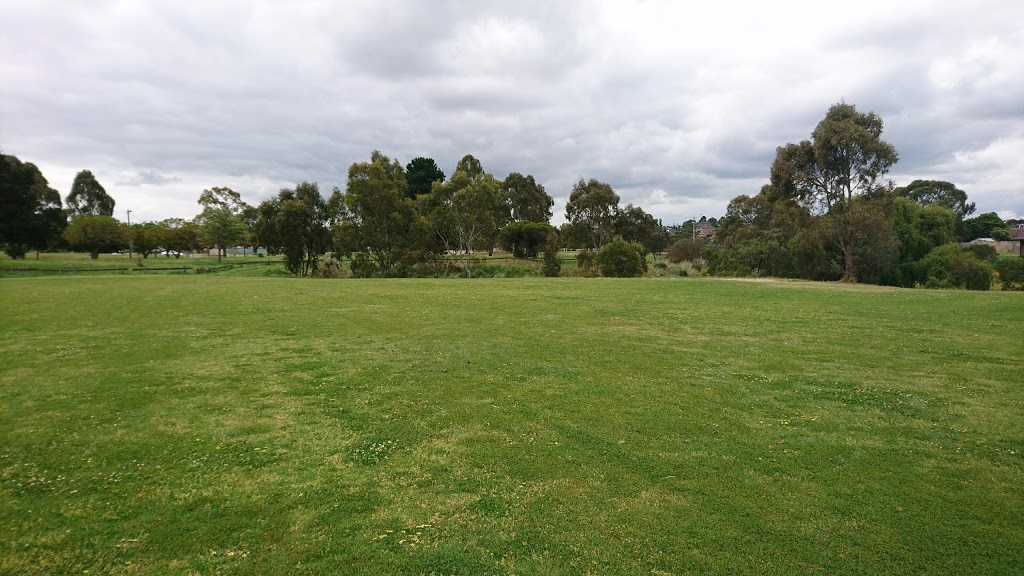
1017, 233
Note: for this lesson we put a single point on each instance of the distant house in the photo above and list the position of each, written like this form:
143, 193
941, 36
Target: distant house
1017, 233
706, 230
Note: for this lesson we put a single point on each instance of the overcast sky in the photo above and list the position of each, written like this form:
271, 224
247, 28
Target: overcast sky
678, 105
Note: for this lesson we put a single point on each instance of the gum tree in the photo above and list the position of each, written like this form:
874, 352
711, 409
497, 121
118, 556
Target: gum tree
844, 158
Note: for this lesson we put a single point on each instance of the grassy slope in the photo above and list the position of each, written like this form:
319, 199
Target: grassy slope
220, 424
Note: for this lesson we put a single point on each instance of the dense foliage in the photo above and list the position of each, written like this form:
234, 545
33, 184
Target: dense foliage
95, 234
621, 259
826, 216
30, 211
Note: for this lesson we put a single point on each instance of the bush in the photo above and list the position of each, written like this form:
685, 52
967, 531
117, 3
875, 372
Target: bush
685, 250
985, 252
332, 269
552, 265
949, 266
585, 259
621, 259
1011, 272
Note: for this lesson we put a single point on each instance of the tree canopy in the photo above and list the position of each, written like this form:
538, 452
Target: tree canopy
844, 158
420, 175
591, 211
30, 210
527, 199
382, 225
296, 224
88, 197
466, 210
939, 193
95, 234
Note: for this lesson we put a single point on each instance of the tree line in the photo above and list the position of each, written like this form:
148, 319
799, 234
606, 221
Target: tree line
388, 221
827, 214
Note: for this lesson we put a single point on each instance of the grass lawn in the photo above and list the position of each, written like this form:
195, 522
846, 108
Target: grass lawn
223, 424
49, 264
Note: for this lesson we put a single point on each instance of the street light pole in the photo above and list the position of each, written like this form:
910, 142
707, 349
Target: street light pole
129, 234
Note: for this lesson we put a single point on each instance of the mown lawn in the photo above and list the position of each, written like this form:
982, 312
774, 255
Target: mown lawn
218, 424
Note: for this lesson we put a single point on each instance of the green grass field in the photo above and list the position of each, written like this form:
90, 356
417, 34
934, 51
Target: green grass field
50, 264
224, 424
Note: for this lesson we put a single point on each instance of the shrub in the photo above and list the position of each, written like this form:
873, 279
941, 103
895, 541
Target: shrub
620, 259
585, 259
949, 266
552, 265
685, 250
1011, 272
985, 252
332, 269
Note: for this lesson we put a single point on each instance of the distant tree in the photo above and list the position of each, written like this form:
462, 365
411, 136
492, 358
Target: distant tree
938, 193
470, 166
220, 228
620, 259
591, 211
146, 238
222, 197
462, 210
527, 199
988, 225
844, 158
30, 211
552, 264
249, 217
88, 197
95, 234
524, 239
221, 222
876, 248
768, 234
178, 236
636, 225
297, 224
919, 230
501, 214
574, 236
420, 175
381, 227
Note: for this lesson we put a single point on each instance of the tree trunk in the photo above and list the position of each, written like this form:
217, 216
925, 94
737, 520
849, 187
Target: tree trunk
848, 272
848, 275
95, 254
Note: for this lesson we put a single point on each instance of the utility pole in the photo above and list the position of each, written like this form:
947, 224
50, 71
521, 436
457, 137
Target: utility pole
129, 234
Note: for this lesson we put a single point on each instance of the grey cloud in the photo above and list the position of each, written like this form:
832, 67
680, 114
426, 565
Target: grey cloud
148, 177
677, 118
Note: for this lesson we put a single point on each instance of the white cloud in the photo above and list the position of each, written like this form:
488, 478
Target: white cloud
679, 106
